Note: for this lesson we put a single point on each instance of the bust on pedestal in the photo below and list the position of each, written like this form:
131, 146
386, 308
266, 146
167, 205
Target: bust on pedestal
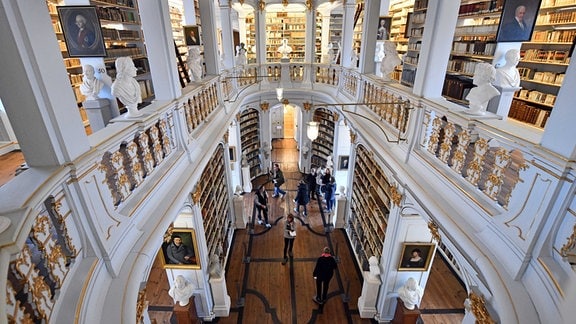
479, 96
125, 87
370, 287
390, 60
97, 110
507, 82
285, 49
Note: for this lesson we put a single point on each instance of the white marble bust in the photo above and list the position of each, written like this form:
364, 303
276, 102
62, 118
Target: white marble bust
181, 291
125, 87
374, 268
285, 49
390, 60
410, 293
90, 86
480, 95
507, 76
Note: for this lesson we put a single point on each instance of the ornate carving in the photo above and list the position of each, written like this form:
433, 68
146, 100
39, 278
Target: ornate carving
353, 137
570, 243
433, 227
475, 168
226, 135
196, 194
309, 5
264, 106
285, 102
336, 116
478, 308
261, 5
307, 106
141, 305
396, 196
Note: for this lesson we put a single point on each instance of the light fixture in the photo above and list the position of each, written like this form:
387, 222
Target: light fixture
280, 94
312, 130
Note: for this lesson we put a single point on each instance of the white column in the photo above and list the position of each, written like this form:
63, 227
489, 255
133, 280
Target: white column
310, 46
441, 18
347, 32
228, 49
35, 90
209, 31
371, 19
560, 132
155, 16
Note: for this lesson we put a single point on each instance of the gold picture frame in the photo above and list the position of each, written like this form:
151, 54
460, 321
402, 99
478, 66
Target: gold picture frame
416, 256
188, 240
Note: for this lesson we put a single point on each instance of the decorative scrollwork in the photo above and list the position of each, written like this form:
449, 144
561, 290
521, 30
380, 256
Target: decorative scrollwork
478, 307
396, 196
433, 227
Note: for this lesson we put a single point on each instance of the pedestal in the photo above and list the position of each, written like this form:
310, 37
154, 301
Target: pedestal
241, 220
246, 179
98, 112
220, 296
500, 105
340, 212
404, 315
285, 71
186, 314
367, 301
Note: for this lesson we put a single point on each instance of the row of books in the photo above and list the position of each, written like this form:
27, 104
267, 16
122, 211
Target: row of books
462, 66
126, 3
117, 14
552, 3
474, 48
545, 56
555, 36
476, 30
70, 62
420, 4
115, 34
481, 7
544, 77
537, 96
557, 17
456, 88
524, 112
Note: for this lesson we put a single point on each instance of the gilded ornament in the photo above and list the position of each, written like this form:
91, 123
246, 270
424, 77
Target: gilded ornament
478, 307
570, 244
309, 5
264, 106
196, 194
261, 5
396, 196
433, 227
353, 136
307, 106
226, 135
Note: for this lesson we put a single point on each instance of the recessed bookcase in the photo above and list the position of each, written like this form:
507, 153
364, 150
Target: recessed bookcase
370, 207
213, 200
544, 61
289, 25
415, 30
250, 140
474, 42
323, 146
250, 38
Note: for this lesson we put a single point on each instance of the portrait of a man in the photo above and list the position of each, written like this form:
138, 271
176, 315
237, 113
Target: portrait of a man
180, 249
82, 32
192, 35
517, 20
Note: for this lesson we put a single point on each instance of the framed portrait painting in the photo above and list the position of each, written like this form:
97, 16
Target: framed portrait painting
180, 250
82, 31
416, 256
383, 31
192, 35
517, 20
343, 162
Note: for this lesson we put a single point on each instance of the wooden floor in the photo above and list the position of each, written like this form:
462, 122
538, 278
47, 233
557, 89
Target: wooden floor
265, 291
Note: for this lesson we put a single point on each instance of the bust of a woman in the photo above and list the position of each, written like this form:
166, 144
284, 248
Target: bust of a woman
90, 86
125, 87
390, 60
285, 49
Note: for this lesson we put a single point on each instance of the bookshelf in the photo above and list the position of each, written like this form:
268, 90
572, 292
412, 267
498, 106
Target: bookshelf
357, 33
250, 38
323, 146
370, 207
544, 61
214, 203
401, 12
290, 25
474, 42
250, 135
415, 31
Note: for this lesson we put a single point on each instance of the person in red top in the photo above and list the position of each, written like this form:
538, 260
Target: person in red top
323, 272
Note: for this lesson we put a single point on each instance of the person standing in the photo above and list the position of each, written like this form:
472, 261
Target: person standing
289, 236
323, 272
330, 194
261, 205
311, 181
278, 179
302, 197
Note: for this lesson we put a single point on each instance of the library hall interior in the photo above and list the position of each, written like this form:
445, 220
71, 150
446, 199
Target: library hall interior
287, 161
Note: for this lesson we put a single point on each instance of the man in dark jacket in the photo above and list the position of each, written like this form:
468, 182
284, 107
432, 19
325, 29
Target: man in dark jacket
311, 181
302, 197
179, 253
323, 272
